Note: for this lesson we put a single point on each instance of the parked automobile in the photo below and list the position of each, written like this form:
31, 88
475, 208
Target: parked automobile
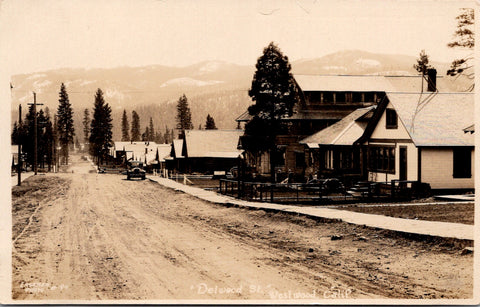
136, 172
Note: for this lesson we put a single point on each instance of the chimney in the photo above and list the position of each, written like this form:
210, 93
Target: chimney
432, 80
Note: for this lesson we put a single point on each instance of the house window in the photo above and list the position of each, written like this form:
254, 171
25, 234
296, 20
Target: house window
392, 119
329, 159
462, 163
346, 159
381, 159
299, 159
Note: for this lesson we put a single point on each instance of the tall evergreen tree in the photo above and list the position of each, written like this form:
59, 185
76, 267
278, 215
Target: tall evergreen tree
15, 134
48, 136
125, 127
166, 136
28, 136
86, 125
210, 124
273, 91
135, 127
101, 128
184, 116
42, 146
145, 135
66, 129
151, 131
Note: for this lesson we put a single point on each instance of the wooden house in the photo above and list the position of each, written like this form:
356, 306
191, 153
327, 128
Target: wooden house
322, 100
142, 151
426, 137
206, 151
334, 151
176, 161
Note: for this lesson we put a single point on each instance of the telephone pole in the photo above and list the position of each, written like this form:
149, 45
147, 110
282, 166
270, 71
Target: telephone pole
35, 141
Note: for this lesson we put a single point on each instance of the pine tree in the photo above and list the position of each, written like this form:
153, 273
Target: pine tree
125, 127
66, 129
464, 39
135, 127
422, 63
273, 91
28, 136
166, 136
184, 116
101, 128
49, 140
15, 134
145, 135
210, 124
151, 131
86, 125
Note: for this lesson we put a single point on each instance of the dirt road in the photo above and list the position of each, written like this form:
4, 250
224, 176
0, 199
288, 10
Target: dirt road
109, 238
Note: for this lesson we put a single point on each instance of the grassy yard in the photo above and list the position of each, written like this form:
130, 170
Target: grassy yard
453, 213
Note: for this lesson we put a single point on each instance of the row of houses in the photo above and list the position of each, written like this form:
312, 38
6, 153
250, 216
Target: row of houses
200, 151
375, 128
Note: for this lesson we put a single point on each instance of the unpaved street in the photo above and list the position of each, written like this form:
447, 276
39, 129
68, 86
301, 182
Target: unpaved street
108, 238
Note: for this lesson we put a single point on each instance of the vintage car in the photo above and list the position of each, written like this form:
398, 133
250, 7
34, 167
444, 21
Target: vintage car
136, 172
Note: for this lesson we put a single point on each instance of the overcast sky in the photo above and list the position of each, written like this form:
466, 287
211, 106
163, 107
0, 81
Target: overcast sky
39, 35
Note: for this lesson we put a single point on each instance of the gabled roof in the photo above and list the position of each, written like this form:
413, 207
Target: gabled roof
177, 148
344, 132
141, 151
245, 117
370, 83
436, 119
163, 152
212, 143
470, 129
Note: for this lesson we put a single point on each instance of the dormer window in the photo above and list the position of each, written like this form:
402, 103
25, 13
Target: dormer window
392, 119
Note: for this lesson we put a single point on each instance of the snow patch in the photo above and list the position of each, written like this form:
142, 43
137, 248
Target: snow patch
189, 82
38, 85
86, 82
368, 62
36, 76
113, 93
210, 66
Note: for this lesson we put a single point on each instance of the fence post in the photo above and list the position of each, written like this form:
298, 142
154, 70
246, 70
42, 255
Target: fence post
392, 188
271, 192
297, 192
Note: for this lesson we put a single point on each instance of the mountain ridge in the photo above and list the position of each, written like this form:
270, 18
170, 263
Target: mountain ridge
217, 88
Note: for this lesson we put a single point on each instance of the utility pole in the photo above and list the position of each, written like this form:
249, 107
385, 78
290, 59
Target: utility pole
35, 141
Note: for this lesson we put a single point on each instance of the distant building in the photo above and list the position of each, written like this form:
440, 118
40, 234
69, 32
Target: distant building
141, 151
206, 151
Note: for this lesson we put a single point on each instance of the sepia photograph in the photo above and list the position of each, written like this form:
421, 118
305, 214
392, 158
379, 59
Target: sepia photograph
238, 152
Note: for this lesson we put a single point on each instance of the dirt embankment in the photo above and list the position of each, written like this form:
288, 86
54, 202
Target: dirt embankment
109, 238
